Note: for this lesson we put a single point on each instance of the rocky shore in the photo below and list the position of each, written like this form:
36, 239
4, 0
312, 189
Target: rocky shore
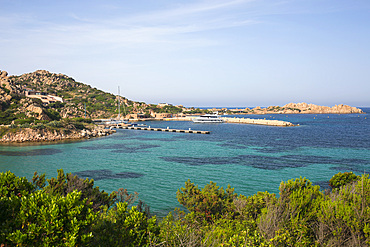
300, 108
46, 135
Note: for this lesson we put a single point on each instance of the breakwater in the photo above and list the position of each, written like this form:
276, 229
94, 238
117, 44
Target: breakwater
277, 123
259, 122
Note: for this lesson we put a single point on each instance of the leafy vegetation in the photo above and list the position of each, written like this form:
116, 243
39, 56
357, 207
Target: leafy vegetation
70, 211
340, 179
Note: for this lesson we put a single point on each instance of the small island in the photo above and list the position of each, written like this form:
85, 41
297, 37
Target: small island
44, 106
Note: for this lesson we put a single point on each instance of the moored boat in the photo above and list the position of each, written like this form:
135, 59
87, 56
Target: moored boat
208, 118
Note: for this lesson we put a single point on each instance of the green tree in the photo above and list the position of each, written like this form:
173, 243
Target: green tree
66, 183
208, 202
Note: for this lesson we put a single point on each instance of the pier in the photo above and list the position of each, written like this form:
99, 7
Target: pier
189, 131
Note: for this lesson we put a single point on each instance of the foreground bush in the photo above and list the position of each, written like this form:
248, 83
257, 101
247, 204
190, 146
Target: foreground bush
70, 211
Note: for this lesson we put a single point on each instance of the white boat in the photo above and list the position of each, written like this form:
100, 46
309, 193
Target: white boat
208, 118
112, 121
138, 125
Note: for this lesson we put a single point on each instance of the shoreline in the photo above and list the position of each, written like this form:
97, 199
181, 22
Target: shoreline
29, 137
51, 136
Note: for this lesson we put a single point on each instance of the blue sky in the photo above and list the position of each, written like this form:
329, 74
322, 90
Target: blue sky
197, 53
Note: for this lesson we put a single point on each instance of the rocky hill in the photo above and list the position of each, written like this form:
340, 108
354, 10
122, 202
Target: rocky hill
304, 108
78, 99
299, 108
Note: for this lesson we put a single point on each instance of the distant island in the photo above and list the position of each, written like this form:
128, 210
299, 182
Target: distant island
44, 106
296, 108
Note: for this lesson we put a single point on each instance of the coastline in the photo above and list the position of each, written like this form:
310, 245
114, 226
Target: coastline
29, 135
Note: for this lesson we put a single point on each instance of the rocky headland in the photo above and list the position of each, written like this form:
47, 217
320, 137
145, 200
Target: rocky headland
50, 135
301, 108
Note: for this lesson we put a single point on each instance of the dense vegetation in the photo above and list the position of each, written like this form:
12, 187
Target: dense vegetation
70, 211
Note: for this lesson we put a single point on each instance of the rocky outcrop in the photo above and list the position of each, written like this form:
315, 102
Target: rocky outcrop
304, 108
7, 88
42, 135
311, 108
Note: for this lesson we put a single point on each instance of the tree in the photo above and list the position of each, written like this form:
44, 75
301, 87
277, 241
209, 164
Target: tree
65, 184
208, 202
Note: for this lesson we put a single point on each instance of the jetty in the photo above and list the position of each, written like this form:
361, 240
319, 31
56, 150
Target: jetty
189, 131
277, 123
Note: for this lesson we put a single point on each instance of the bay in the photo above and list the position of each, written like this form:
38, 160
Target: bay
250, 158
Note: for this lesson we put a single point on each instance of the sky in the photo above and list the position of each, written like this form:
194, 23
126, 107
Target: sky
231, 53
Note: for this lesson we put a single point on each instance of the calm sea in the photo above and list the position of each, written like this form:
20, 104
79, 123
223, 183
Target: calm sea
250, 158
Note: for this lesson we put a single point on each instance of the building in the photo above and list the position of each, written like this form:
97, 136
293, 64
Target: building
44, 97
161, 105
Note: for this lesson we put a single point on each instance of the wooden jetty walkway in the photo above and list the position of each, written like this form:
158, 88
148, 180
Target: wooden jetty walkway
189, 131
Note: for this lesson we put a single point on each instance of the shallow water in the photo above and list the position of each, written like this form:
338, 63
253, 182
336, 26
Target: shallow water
250, 158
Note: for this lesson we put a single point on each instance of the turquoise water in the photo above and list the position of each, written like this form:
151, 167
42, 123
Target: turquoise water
250, 158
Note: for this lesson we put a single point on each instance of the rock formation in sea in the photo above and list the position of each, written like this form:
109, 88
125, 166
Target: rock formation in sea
303, 108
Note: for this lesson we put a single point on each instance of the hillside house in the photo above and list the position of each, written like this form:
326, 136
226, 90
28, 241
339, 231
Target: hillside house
44, 97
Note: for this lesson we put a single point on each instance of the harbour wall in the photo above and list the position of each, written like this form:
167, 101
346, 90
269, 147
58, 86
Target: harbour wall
278, 123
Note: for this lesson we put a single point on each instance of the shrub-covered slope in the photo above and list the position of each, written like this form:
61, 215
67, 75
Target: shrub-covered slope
70, 211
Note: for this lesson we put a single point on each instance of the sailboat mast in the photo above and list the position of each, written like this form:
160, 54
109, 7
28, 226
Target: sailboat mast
119, 107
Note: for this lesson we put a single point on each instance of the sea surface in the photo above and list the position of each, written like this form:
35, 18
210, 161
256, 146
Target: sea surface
250, 158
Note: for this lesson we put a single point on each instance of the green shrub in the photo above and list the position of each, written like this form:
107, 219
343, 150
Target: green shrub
39, 126
340, 179
55, 124
207, 202
52, 114
12, 189
51, 220
292, 218
121, 226
66, 183
7, 116
344, 216
81, 120
25, 125
24, 121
